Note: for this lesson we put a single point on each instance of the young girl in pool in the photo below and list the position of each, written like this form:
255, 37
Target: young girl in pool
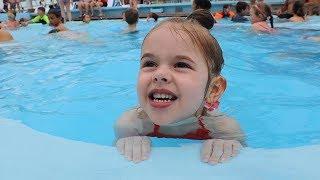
179, 87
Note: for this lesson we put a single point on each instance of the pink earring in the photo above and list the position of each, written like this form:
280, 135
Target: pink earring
211, 106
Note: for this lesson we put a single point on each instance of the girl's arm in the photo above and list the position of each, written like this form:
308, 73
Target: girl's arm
129, 139
224, 127
128, 125
227, 140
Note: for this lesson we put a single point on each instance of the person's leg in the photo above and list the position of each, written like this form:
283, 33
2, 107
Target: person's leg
80, 7
62, 8
99, 5
92, 4
67, 6
18, 5
87, 6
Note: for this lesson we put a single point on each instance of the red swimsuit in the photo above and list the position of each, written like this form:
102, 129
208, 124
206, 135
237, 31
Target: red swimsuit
200, 134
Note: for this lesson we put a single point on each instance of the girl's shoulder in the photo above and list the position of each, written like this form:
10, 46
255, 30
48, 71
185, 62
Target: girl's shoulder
129, 124
222, 126
219, 121
131, 115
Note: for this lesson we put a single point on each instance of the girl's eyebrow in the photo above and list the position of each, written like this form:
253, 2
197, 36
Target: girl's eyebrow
185, 58
147, 55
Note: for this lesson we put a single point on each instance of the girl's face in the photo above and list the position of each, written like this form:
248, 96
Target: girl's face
172, 78
54, 20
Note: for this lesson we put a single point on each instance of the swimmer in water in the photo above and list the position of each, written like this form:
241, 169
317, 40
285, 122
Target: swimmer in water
179, 88
56, 21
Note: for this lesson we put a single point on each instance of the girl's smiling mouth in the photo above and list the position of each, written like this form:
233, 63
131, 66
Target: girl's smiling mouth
161, 98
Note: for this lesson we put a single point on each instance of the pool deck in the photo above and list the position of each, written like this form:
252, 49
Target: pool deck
31, 155
163, 10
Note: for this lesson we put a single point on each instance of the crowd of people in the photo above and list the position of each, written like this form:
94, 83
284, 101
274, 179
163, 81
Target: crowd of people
180, 82
257, 12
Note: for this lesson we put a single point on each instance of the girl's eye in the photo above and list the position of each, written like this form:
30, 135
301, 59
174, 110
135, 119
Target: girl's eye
149, 64
182, 65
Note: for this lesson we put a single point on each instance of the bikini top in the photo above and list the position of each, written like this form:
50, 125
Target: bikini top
201, 133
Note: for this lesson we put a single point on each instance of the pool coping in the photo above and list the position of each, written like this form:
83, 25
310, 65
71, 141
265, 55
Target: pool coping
31, 155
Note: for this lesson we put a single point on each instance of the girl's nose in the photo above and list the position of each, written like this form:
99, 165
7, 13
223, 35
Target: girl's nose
161, 78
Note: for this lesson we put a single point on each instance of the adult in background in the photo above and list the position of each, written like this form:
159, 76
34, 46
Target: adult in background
65, 9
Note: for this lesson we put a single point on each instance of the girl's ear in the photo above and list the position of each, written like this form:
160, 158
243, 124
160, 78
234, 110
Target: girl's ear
217, 87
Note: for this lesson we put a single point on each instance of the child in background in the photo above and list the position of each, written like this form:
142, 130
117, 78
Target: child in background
41, 17
179, 87
242, 9
225, 13
298, 12
56, 21
260, 13
203, 17
131, 16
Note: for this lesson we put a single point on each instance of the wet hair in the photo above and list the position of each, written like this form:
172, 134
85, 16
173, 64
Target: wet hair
241, 6
203, 17
154, 16
264, 11
42, 9
203, 41
202, 4
131, 15
298, 9
201, 38
55, 12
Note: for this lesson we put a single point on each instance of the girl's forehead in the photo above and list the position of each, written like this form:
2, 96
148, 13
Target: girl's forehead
169, 34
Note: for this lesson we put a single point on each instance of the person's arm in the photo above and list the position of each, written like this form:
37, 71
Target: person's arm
227, 140
128, 125
130, 141
35, 20
46, 19
224, 127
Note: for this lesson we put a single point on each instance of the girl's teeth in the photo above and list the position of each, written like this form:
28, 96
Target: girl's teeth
158, 100
162, 96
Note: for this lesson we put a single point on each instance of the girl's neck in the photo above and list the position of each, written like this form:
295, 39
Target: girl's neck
184, 121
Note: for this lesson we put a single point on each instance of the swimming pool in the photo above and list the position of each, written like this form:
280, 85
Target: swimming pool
77, 89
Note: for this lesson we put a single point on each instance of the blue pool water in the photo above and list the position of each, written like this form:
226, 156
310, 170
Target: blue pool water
76, 89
